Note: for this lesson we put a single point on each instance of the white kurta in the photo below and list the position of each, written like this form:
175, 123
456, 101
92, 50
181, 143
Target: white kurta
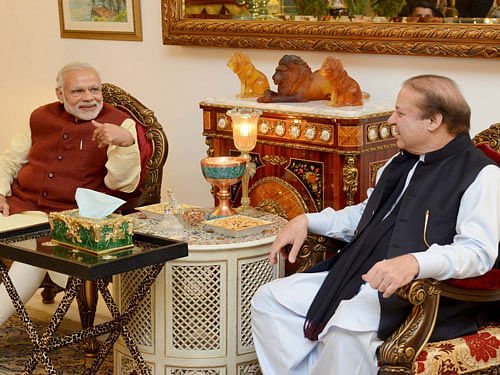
348, 343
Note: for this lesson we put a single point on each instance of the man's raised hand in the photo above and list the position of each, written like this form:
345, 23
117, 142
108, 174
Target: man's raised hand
294, 233
109, 134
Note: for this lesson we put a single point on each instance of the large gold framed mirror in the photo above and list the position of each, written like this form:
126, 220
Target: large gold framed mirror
452, 36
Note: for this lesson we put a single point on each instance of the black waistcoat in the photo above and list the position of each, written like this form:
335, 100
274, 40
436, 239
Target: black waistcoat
437, 186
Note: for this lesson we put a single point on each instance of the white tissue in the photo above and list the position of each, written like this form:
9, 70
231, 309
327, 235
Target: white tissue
94, 204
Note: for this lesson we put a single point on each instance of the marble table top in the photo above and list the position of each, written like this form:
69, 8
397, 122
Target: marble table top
199, 238
320, 108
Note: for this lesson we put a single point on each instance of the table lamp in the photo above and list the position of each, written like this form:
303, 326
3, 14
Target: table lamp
244, 123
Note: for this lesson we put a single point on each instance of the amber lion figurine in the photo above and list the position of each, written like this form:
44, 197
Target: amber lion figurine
296, 83
345, 90
253, 82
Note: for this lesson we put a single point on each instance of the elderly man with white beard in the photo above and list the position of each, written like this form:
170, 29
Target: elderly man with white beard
79, 141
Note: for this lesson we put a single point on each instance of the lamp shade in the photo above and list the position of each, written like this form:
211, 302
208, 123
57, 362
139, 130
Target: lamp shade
244, 123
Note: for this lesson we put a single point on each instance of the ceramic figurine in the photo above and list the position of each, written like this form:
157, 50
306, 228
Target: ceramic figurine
345, 90
296, 83
253, 82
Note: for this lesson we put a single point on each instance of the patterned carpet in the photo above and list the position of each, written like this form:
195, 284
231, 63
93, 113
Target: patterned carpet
16, 347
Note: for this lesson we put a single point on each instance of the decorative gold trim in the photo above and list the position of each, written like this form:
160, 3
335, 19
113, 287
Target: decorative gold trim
491, 136
311, 127
350, 179
382, 38
376, 129
372, 133
93, 252
209, 141
328, 129
73, 224
262, 123
222, 116
374, 167
403, 346
309, 147
315, 249
283, 183
272, 207
282, 125
295, 134
382, 127
274, 160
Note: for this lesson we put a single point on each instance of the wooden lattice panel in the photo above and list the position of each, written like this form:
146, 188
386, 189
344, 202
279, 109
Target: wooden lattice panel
141, 325
186, 371
252, 274
129, 367
251, 368
196, 307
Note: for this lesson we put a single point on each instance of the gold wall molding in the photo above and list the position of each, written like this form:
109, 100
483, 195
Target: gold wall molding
463, 40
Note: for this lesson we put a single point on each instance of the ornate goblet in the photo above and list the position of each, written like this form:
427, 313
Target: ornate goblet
223, 172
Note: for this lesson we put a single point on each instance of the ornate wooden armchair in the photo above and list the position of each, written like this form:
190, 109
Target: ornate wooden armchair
407, 350
154, 150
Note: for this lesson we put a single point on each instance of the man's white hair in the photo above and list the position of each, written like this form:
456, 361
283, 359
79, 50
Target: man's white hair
73, 66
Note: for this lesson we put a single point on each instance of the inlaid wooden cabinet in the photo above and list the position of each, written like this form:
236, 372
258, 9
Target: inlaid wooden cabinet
308, 155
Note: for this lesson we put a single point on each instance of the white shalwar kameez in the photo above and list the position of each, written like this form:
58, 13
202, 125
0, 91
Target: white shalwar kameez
348, 343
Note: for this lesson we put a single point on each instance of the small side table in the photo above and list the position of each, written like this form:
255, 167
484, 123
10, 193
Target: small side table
197, 319
33, 245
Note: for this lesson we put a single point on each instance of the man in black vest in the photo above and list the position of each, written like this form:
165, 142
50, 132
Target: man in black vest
434, 213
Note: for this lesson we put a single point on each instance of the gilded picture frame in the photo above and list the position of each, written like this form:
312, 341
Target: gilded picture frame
425, 39
100, 19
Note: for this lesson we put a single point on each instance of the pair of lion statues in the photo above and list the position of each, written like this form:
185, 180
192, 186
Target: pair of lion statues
296, 82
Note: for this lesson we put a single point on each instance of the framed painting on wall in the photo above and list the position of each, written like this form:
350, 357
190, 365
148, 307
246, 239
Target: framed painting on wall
100, 19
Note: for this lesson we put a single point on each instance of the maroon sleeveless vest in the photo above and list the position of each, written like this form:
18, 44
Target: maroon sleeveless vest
62, 157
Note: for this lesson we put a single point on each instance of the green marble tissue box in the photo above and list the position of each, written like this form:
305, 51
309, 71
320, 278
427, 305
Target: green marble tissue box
98, 236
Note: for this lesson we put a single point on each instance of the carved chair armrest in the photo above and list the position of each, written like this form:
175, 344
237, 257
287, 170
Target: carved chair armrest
315, 249
400, 349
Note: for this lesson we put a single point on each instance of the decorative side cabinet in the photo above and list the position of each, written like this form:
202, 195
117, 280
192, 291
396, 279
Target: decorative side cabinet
308, 155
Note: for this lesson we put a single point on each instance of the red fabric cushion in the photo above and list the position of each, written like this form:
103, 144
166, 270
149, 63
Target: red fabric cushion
145, 148
489, 281
489, 152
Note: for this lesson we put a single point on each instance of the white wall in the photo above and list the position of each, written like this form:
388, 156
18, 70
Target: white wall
172, 80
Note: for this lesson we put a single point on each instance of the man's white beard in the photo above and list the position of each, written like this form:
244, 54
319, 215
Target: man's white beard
82, 115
